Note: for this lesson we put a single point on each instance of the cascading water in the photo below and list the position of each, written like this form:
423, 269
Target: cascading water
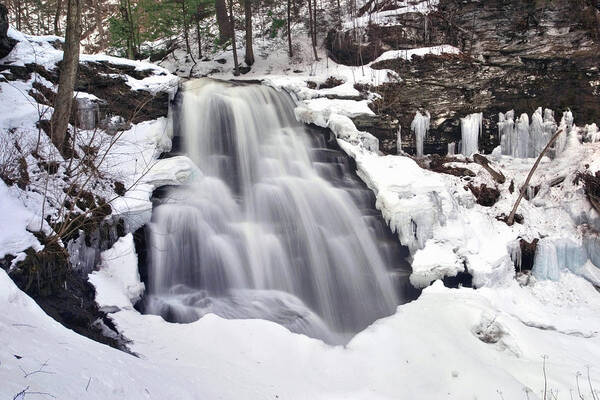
273, 226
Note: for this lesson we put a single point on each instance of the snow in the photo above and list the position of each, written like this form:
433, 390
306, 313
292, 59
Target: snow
419, 52
435, 261
470, 343
389, 17
14, 220
40, 50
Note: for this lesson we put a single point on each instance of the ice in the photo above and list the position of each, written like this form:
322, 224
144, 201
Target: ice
435, 261
566, 124
522, 139
506, 130
451, 148
420, 126
399, 140
592, 133
522, 135
514, 249
471, 129
546, 261
556, 254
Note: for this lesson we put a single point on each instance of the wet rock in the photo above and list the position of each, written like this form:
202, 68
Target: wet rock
486, 196
6, 43
527, 253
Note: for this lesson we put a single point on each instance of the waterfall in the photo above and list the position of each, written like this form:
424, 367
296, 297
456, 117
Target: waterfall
274, 226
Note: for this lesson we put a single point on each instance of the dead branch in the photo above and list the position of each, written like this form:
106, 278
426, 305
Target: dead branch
485, 163
511, 218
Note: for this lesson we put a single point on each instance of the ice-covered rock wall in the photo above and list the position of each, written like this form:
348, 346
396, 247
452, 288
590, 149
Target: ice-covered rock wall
554, 255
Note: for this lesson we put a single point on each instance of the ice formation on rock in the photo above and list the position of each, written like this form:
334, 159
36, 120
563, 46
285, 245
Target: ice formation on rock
506, 125
566, 124
592, 133
514, 250
546, 261
420, 126
522, 139
399, 140
471, 128
451, 148
554, 255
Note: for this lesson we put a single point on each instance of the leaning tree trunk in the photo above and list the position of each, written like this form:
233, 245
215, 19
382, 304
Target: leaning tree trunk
511, 218
223, 21
68, 75
236, 69
249, 57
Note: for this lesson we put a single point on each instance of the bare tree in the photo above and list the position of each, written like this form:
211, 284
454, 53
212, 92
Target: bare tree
236, 68
68, 75
186, 30
289, 29
57, 17
312, 27
223, 21
249, 57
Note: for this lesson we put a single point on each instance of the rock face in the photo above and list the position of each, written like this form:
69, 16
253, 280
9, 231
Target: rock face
6, 43
516, 54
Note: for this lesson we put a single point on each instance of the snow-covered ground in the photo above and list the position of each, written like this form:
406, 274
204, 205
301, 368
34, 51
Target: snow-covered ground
488, 343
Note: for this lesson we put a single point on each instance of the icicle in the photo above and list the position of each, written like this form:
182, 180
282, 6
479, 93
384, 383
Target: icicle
521, 147
451, 148
537, 139
566, 124
546, 261
471, 128
399, 140
506, 126
514, 249
420, 126
592, 133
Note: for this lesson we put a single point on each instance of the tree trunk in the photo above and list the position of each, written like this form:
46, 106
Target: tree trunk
198, 34
236, 69
125, 15
68, 75
223, 21
19, 13
57, 17
99, 25
249, 57
312, 27
186, 34
289, 29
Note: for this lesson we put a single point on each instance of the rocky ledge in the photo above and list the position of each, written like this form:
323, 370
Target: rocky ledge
516, 54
